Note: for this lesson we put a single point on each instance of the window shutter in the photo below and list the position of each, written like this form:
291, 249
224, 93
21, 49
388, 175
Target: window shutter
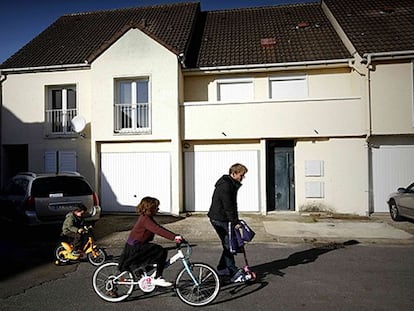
67, 161
50, 161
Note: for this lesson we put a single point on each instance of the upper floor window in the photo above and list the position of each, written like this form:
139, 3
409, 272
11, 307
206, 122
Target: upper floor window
132, 106
235, 90
288, 87
61, 107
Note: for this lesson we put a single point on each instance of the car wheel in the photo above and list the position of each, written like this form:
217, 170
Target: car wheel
394, 212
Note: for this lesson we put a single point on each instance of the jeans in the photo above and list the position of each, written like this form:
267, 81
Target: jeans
227, 258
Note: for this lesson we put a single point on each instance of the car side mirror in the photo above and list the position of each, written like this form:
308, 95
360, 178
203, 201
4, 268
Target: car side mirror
401, 190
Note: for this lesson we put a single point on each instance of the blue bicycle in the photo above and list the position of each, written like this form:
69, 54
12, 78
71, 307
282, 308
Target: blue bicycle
197, 284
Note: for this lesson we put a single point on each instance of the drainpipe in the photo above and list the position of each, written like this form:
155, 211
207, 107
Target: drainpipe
2, 79
369, 134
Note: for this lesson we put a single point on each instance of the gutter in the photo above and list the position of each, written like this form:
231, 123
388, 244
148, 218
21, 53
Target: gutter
264, 67
46, 68
367, 57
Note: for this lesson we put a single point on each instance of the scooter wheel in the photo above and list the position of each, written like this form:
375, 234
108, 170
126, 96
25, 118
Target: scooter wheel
253, 275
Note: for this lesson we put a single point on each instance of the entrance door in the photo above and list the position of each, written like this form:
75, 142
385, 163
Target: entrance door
281, 182
15, 159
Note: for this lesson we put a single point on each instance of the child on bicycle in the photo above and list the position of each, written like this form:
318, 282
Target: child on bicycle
73, 227
139, 250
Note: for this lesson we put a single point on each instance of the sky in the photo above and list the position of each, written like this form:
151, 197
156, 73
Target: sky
22, 20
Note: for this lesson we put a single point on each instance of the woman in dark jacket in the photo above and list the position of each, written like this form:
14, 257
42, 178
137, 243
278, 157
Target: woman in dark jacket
223, 210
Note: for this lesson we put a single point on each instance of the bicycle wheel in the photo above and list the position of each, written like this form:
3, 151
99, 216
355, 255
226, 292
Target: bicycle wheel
60, 254
197, 295
97, 257
112, 285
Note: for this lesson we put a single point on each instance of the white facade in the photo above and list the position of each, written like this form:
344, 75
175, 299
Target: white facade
339, 125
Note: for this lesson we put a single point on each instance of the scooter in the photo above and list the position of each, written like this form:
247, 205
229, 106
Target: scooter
95, 254
250, 275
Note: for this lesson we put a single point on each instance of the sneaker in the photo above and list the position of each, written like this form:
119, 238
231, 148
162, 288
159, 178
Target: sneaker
160, 281
223, 272
239, 276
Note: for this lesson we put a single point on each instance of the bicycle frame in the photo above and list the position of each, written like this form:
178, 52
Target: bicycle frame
196, 284
178, 256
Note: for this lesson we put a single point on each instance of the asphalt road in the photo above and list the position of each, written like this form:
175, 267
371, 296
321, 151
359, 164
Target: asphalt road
295, 277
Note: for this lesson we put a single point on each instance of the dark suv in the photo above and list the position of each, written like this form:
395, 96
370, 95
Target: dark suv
35, 199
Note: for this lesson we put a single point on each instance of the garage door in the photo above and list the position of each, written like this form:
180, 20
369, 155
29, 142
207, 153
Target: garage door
203, 168
392, 167
126, 177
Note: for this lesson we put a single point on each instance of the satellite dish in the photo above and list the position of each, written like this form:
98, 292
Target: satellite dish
78, 124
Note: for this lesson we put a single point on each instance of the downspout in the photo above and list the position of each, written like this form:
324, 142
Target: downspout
2, 79
368, 135
366, 71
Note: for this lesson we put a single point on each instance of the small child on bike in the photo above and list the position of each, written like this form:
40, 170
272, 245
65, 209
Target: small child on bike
139, 250
73, 227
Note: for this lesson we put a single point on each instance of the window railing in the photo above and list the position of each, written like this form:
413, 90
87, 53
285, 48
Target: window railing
131, 118
58, 121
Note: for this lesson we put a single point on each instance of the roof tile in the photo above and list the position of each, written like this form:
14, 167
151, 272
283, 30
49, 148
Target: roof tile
235, 37
376, 26
76, 38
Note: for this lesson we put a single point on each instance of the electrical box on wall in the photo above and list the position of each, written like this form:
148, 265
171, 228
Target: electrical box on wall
314, 168
314, 189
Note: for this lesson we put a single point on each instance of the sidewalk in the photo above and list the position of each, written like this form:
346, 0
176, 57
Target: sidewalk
283, 228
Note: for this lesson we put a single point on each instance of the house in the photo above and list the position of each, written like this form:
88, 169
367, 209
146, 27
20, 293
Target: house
380, 35
170, 103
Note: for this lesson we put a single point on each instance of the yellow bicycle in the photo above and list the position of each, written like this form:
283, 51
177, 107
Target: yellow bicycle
95, 254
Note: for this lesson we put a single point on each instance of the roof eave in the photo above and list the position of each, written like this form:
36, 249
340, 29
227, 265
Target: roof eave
266, 67
84, 65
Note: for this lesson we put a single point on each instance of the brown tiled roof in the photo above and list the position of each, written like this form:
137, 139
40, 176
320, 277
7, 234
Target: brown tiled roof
74, 38
265, 35
376, 26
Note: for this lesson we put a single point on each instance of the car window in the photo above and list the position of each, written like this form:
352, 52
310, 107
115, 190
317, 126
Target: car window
69, 186
16, 187
411, 188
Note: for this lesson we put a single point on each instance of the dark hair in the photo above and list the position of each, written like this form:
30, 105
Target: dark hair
148, 206
80, 208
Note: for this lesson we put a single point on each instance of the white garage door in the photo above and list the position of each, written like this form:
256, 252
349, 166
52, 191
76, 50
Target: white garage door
128, 177
393, 167
204, 168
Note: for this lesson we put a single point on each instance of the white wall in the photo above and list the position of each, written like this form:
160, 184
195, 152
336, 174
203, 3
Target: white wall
345, 174
392, 99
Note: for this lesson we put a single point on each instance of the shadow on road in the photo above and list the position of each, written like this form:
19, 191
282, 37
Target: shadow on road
23, 248
298, 258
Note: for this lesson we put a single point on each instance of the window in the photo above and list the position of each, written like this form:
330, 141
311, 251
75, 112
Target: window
288, 87
132, 106
235, 90
17, 187
61, 107
69, 185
